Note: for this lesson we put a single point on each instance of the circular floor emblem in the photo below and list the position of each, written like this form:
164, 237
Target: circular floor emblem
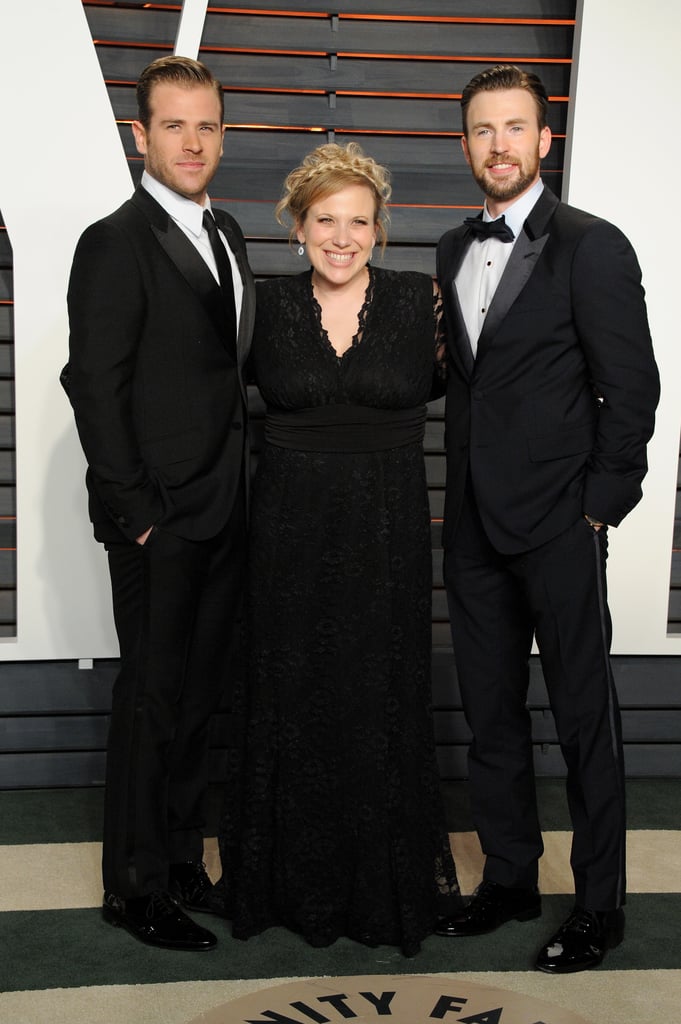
402, 999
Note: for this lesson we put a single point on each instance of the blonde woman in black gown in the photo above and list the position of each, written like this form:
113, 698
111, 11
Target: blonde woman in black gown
334, 824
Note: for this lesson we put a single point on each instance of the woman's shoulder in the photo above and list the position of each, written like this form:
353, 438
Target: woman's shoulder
403, 278
404, 284
291, 284
278, 299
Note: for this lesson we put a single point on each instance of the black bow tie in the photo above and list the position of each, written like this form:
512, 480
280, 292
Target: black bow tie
483, 229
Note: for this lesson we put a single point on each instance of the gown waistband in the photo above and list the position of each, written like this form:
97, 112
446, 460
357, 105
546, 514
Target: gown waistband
345, 428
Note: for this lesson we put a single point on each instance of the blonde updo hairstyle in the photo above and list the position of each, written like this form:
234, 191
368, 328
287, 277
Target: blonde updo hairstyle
327, 170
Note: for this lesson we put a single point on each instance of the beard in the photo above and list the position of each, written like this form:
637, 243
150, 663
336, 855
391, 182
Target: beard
508, 188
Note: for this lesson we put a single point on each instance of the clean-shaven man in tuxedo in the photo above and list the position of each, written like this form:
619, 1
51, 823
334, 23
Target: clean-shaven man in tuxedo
161, 307
550, 404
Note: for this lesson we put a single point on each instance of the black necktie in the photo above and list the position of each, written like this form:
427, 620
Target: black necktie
483, 229
224, 271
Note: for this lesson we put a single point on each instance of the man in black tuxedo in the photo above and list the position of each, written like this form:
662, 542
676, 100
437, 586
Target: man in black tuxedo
161, 308
550, 404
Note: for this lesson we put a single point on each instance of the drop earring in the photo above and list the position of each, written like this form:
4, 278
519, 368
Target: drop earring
301, 249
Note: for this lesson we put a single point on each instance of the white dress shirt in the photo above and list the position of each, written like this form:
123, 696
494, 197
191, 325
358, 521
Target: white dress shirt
485, 262
188, 216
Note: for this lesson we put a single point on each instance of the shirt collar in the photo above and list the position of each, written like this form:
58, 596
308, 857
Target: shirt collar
518, 212
184, 211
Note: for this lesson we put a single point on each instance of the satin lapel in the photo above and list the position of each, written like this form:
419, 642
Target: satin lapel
194, 270
184, 256
459, 342
522, 262
248, 300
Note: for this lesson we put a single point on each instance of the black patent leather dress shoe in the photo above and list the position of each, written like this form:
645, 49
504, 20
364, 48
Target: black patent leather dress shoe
582, 941
157, 920
492, 905
190, 885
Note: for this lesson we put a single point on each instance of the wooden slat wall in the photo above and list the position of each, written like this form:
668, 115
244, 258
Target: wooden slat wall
46, 746
388, 74
292, 81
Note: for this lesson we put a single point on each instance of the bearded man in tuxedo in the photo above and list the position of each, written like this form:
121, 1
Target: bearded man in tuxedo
550, 405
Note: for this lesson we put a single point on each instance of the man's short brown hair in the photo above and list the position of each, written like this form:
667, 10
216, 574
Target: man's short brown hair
179, 71
506, 76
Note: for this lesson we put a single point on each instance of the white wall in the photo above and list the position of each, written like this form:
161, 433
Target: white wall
624, 150
55, 178
64, 606
624, 141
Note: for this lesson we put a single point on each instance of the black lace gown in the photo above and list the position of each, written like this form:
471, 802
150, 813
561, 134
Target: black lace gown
333, 822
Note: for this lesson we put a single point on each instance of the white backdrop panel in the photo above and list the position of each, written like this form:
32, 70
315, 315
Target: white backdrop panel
622, 145
625, 91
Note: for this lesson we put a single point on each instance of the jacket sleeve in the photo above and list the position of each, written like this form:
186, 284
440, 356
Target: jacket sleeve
107, 309
610, 316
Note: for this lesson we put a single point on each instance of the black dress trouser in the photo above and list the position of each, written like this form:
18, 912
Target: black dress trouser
497, 604
176, 604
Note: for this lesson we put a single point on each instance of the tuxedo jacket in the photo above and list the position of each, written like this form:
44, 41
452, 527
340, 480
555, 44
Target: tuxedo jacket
156, 388
552, 417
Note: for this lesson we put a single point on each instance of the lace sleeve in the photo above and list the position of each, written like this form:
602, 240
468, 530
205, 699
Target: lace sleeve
440, 341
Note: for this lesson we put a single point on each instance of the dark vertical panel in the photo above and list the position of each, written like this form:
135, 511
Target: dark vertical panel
8, 578
674, 617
